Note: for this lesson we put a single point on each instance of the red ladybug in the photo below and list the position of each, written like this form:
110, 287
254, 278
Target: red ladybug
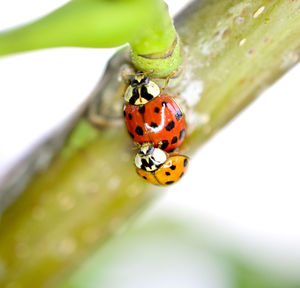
153, 118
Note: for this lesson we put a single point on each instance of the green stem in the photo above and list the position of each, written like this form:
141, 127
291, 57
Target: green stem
146, 25
233, 49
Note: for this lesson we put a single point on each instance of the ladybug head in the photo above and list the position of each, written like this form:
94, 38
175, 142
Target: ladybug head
149, 158
146, 149
141, 90
139, 80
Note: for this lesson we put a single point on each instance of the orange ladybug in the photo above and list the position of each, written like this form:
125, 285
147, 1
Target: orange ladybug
151, 117
158, 167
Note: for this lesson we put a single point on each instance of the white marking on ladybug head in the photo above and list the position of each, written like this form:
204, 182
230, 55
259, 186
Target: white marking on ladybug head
146, 149
141, 90
139, 79
153, 89
159, 156
149, 158
128, 94
138, 160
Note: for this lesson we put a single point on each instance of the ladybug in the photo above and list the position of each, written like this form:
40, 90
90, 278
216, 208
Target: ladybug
151, 117
158, 167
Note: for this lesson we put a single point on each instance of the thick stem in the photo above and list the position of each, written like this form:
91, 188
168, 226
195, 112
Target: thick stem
165, 60
233, 50
159, 64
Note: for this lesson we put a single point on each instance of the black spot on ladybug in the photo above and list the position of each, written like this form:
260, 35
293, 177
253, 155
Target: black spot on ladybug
164, 103
169, 182
156, 110
153, 125
174, 140
130, 116
181, 134
145, 94
170, 126
168, 173
145, 164
178, 115
133, 81
142, 109
130, 134
164, 145
135, 96
185, 162
145, 177
181, 174
173, 167
139, 130
124, 113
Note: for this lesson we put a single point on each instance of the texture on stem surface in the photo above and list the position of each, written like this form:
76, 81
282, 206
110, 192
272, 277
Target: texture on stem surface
233, 50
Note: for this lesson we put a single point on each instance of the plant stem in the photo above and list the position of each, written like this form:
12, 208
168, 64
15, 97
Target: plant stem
233, 50
146, 25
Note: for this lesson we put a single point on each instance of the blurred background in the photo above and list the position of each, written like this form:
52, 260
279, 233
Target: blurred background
233, 221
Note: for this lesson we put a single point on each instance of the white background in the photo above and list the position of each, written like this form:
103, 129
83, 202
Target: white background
245, 180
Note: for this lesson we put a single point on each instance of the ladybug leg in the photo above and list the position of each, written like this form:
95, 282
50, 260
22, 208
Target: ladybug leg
160, 144
126, 73
167, 80
136, 146
148, 73
124, 90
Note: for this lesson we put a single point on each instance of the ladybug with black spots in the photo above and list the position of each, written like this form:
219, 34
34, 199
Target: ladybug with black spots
159, 167
152, 117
